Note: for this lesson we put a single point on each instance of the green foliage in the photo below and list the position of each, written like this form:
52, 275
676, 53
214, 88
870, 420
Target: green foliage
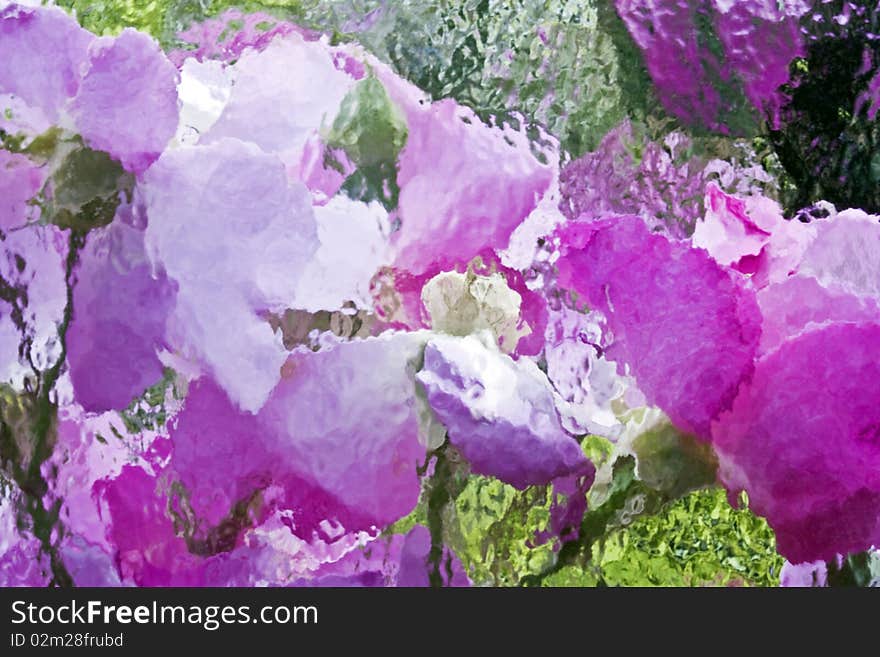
109, 17
658, 466
181, 14
493, 531
597, 449
699, 540
149, 412
371, 130
633, 538
615, 503
163, 18
638, 530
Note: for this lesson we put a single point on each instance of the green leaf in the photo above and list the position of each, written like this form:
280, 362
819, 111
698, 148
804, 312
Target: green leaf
699, 540
370, 128
861, 569
43, 146
674, 463
86, 187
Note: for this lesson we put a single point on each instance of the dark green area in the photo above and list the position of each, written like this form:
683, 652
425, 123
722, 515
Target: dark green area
827, 143
87, 187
